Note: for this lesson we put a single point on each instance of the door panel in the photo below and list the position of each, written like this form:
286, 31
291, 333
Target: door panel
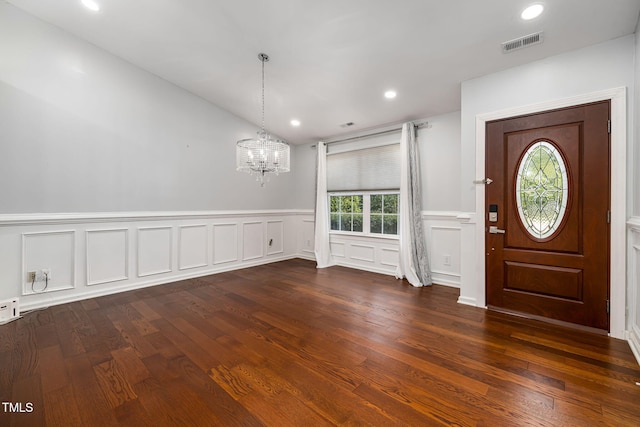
549, 253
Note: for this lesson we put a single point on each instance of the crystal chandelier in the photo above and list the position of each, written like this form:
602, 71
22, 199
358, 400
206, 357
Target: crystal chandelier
264, 154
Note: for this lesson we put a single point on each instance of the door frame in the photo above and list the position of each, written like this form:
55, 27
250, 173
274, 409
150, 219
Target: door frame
617, 257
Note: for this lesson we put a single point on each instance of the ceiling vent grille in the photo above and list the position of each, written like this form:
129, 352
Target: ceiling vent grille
522, 42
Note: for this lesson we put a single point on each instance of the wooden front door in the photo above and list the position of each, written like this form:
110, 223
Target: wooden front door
548, 214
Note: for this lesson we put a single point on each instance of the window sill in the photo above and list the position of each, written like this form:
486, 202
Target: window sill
364, 235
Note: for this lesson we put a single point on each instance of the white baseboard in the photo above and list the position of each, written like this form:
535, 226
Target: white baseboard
634, 342
468, 301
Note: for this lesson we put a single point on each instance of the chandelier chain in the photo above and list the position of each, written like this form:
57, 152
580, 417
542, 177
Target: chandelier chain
263, 60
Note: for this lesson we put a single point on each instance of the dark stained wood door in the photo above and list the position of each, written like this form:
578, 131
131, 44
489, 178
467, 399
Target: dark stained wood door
547, 237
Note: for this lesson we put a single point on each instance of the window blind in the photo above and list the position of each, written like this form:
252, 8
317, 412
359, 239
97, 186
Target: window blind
368, 169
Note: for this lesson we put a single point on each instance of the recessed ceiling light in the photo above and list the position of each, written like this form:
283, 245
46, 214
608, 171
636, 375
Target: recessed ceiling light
91, 4
532, 11
295, 123
390, 94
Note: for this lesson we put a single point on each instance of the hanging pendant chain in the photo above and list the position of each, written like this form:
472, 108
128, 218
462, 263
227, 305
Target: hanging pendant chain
263, 60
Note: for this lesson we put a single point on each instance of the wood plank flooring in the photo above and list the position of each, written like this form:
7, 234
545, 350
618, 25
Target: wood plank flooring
286, 344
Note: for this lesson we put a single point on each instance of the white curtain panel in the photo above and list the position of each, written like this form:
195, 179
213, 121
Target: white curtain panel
413, 263
322, 248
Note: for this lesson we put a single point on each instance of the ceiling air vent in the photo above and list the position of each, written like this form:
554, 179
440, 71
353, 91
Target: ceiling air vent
522, 42
347, 125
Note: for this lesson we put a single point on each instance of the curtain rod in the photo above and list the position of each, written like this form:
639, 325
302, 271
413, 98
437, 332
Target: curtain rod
368, 135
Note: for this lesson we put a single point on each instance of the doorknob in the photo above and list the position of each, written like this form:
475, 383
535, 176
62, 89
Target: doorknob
495, 230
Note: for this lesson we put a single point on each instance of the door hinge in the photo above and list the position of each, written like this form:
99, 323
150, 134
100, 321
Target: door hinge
609, 126
608, 217
608, 306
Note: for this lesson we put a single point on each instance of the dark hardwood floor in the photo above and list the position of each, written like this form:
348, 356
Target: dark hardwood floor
286, 344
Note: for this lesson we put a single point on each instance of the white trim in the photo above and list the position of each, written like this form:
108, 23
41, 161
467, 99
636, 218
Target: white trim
440, 215
634, 341
634, 224
65, 218
618, 97
369, 268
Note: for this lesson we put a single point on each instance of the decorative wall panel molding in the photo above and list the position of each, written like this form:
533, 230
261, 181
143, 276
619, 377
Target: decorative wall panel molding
275, 237
193, 246
225, 243
389, 257
361, 252
107, 255
252, 240
444, 251
48, 250
155, 250
306, 241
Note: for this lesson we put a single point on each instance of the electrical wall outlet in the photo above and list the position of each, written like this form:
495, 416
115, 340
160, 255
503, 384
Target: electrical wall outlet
446, 260
39, 275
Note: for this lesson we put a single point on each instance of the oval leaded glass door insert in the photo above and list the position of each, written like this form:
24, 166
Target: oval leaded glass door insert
542, 190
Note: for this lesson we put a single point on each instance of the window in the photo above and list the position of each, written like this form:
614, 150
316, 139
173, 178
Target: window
366, 213
384, 213
542, 190
346, 213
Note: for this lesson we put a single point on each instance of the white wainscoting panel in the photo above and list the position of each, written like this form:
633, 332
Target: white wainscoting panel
94, 254
389, 257
107, 255
338, 249
193, 246
360, 252
445, 254
443, 233
225, 243
306, 240
252, 240
52, 250
155, 249
365, 252
275, 237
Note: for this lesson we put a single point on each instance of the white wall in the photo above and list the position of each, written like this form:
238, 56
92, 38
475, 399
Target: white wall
84, 131
305, 176
439, 147
595, 68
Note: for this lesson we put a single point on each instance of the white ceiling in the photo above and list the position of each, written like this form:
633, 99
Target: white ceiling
332, 60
